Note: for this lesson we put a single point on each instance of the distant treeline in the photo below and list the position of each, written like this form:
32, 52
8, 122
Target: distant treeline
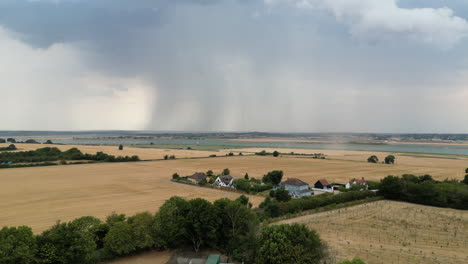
425, 190
55, 154
9, 148
228, 226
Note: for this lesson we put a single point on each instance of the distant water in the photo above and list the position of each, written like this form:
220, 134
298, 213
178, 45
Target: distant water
87, 138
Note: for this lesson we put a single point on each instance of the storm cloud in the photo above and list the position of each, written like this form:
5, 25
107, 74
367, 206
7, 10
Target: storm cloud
235, 65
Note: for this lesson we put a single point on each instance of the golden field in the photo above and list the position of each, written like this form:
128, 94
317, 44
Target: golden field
393, 232
40, 196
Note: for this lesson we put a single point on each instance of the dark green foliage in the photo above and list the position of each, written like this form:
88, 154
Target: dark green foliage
120, 147
373, 159
67, 243
226, 172
242, 184
169, 223
175, 176
172, 157
202, 223
424, 190
240, 154
353, 261
31, 141
54, 154
11, 140
10, 147
48, 142
261, 153
2, 140
243, 199
281, 195
273, 177
166, 157
212, 155
246, 176
466, 170
251, 186
142, 228
17, 245
119, 241
465, 180
294, 244
275, 153
390, 159
231, 154
209, 173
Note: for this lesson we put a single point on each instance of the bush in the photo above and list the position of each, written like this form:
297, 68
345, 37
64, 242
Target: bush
17, 245
175, 176
231, 154
281, 195
226, 172
275, 153
212, 155
48, 142
273, 177
120, 147
2, 140
373, 159
390, 159
11, 140
31, 141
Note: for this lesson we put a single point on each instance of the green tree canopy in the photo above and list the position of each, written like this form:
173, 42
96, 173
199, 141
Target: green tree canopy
292, 244
390, 159
280, 195
17, 245
373, 159
275, 153
169, 223
273, 177
201, 223
226, 172
120, 240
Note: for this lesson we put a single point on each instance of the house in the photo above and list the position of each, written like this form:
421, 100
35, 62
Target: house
323, 184
355, 182
197, 177
224, 181
296, 187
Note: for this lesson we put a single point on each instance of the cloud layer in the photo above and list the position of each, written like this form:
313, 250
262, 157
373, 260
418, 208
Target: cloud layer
278, 65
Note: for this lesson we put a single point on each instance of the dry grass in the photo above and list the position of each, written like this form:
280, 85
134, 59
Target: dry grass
146, 258
40, 196
393, 232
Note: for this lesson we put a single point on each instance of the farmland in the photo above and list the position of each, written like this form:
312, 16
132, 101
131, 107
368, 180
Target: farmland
393, 232
38, 197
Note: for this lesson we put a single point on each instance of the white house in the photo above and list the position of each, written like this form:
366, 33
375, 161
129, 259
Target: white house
224, 181
296, 187
355, 182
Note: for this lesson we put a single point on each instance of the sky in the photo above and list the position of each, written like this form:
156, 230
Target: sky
397, 66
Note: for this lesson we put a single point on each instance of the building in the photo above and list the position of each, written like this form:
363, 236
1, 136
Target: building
324, 185
296, 187
224, 181
355, 182
197, 177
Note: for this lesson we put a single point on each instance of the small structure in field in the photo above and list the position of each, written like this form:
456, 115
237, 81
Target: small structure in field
324, 185
361, 183
224, 181
296, 187
197, 177
213, 259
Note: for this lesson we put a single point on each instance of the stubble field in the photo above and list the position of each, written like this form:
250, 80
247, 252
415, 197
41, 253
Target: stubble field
393, 232
40, 196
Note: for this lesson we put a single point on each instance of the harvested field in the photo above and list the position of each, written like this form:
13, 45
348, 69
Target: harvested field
146, 258
40, 196
143, 153
393, 232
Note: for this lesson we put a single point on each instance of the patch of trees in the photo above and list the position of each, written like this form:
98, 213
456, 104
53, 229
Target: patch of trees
425, 190
265, 153
2, 140
55, 154
171, 157
373, 159
31, 141
228, 226
251, 185
11, 140
49, 142
390, 159
9, 148
273, 177
274, 208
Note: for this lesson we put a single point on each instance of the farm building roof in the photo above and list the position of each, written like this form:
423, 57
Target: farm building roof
226, 178
198, 176
324, 182
294, 182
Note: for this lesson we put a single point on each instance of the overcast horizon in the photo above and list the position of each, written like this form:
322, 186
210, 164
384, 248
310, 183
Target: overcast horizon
305, 66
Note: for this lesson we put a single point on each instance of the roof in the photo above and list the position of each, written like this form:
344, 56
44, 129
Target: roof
323, 182
294, 182
198, 176
226, 178
213, 259
362, 181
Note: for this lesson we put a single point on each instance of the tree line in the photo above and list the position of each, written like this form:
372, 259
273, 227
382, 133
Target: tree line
425, 190
225, 225
55, 154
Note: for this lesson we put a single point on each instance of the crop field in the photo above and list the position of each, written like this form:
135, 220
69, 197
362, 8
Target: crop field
393, 232
40, 196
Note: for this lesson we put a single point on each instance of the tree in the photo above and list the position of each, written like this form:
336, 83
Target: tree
120, 147
17, 245
373, 159
209, 173
288, 244
67, 243
202, 223
11, 147
243, 199
226, 172
169, 223
240, 154
273, 177
48, 142
466, 170
231, 154
390, 159
2, 140
391, 187
31, 141
465, 180
11, 140
175, 176
280, 195
275, 153
120, 240
142, 227
246, 176
166, 157
242, 184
